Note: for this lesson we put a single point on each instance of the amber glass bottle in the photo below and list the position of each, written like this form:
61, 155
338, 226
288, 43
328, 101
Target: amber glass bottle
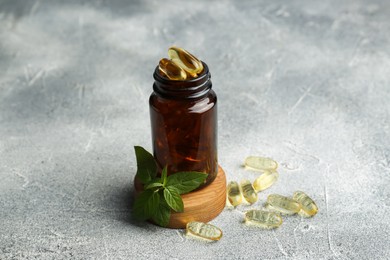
184, 124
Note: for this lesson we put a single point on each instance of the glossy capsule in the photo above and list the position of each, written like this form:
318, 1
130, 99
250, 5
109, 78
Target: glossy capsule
309, 207
234, 193
282, 204
263, 219
260, 163
265, 180
203, 231
185, 60
171, 70
249, 193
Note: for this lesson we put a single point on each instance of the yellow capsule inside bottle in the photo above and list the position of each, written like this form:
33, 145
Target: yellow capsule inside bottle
263, 219
260, 163
282, 204
185, 60
308, 206
171, 70
234, 193
203, 231
265, 180
249, 193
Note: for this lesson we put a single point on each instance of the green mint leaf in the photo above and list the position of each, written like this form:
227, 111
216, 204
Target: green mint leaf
164, 176
185, 182
146, 164
146, 204
163, 213
153, 185
172, 197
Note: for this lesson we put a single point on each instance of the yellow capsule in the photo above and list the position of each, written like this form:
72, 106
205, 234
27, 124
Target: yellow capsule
261, 163
234, 193
263, 219
249, 193
203, 230
309, 207
185, 60
266, 180
171, 70
282, 204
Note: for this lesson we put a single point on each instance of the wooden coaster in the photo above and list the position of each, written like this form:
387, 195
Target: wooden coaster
201, 205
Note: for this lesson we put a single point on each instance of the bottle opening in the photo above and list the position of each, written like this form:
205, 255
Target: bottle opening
186, 89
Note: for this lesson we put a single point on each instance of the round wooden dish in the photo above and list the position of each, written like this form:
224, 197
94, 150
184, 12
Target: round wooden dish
201, 205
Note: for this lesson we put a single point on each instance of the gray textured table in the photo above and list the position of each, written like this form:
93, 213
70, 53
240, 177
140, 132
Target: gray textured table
305, 83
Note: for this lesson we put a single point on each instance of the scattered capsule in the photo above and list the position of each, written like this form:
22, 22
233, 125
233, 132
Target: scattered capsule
234, 193
263, 219
203, 230
171, 70
309, 207
283, 204
249, 193
266, 180
185, 60
260, 163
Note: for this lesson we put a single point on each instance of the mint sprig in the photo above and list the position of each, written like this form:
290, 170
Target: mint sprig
161, 195
145, 205
172, 197
162, 214
186, 181
146, 165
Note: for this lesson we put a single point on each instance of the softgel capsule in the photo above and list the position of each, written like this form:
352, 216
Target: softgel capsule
185, 60
308, 206
263, 219
234, 193
282, 204
182, 65
171, 70
249, 193
260, 163
265, 180
203, 231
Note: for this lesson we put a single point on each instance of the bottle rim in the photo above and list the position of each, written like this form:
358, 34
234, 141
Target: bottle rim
184, 89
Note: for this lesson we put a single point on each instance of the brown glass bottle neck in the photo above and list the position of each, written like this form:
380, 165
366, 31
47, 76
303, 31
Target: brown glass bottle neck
183, 89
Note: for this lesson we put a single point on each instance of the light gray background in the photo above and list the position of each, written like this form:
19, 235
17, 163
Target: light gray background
304, 82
